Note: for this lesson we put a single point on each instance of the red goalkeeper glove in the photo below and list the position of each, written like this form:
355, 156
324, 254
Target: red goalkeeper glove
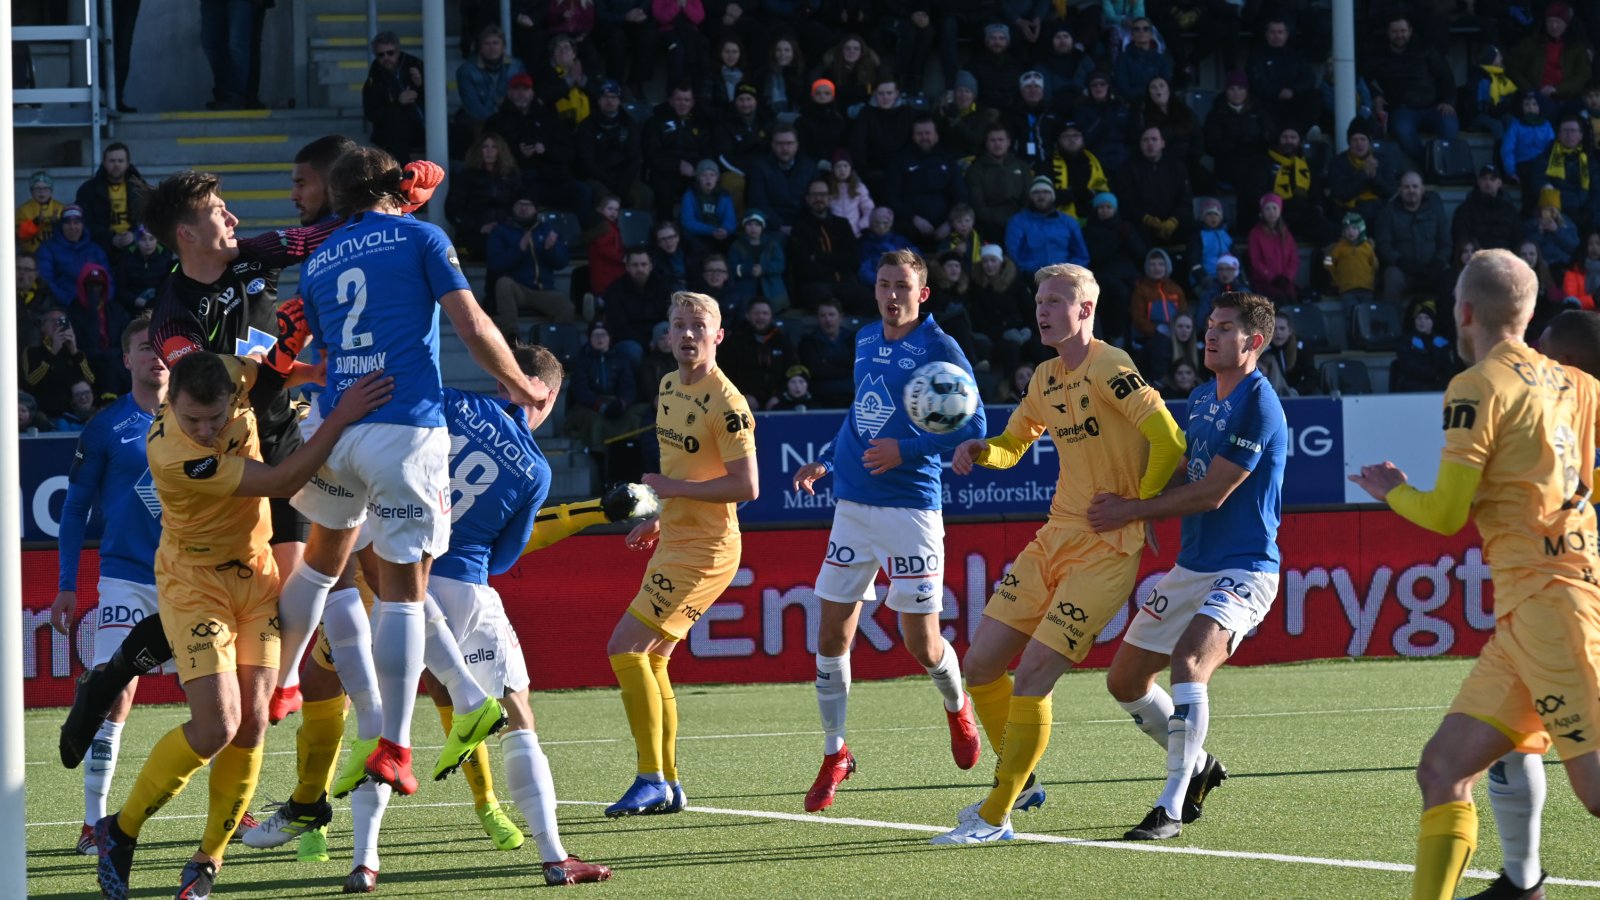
293, 332
418, 183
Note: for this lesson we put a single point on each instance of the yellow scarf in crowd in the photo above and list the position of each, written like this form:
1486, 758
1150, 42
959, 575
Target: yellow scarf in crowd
1557, 169
1500, 87
1060, 177
1292, 175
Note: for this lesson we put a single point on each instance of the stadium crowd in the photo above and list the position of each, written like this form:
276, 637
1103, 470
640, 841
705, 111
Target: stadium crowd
767, 153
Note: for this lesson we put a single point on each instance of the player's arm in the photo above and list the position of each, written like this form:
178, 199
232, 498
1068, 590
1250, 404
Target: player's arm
1470, 418
1223, 477
83, 491
559, 522
734, 438
257, 479
175, 331
286, 246
509, 543
810, 473
1005, 449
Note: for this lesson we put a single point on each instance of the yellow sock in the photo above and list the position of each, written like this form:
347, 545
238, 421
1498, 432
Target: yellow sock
233, 782
172, 762
1027, 734
641, 700
669, 718
476, 767
321, 732
553, 523
1448, 836
992, 703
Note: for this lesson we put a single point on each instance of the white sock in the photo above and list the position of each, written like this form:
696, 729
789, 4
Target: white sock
442, 656
833, 699
397, 644
366, 818
350, 637
1150, 713
1186, 737
528, 774
300, 603
946, 675
102, 764
1516, 793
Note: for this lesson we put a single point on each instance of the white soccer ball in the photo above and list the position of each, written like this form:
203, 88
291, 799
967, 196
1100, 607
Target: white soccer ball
941, 397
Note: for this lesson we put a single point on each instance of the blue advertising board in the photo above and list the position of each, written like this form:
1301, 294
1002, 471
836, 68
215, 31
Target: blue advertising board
44, 461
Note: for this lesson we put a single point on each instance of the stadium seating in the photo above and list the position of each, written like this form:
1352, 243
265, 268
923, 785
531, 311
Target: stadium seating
1308, 326
635, 225
566, 226
1345, 376
1449, 161
564, 339
1375, 325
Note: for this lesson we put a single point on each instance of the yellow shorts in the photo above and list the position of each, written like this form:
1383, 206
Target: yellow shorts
219, 617
1063, 589
681, 583
1538, 678
321, 652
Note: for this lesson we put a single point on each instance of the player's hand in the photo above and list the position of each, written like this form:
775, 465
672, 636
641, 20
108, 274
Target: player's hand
293, 329
966, 456
369, 392
1150, 539
663, 486
808, 475
418, 183
1379, 480
61, 611
1108, 512
644, 535
883, 455
528, 393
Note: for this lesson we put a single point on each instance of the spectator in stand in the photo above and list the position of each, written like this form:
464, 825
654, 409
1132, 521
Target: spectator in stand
1158, 108
853, 68
1106, 123
97, 323
1274, 257
675, 140
848, 198
1116, 254
36, 219
1229, 277
79, 411
958, 19
628, 39
996, 68
574, 21
1157, 303
676, 257
796, 396
907, 28
880, 238
1360, 179
1326, 90
140, 271
106, 199
50, 369
823, 253
1491, 94
1413, 241
32, 299
707, 212
1569, 168
1527, 140
1554, 64
482, 82
881, 130
1352, 262
678, 27
1154, 192
924, 183
963, 239
1002, 310
1180, 380
657, 364
523, 256
1014, 388
1590, 114
951, 296
743, 138
65, 255
1236, 137
757, 261
602, 243
1282, 79
1487, 216
30, 418
1291, 176
1292, 357
1210, 243
604, 392
962, 121
227, 36
482, 193
729, 72
1032, 119
1066, 67
1141, 60
828, 352
634, 304
1552, 293
997, 183
783, 83
1413, 85
606, 152
713, 282
1555, 234
1580, 283
541, 144
778, 182
1026, 17
823, 126
1076, 174
1425, 360
391, 99
1040, 235
757, 355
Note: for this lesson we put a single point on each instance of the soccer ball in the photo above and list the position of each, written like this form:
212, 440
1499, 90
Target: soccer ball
941, 397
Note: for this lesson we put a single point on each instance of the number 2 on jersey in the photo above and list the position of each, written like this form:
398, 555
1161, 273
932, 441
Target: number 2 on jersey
352, 286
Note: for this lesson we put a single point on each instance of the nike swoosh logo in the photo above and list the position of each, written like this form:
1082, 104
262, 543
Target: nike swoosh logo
129, 440
925, 599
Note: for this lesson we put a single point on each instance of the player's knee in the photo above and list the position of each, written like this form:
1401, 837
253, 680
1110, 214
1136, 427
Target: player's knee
252, 732
209, 736
1126, 686
980, 669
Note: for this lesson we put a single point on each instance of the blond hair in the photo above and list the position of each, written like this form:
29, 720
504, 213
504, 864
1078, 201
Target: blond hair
699, 303
1081, 279
1501, 288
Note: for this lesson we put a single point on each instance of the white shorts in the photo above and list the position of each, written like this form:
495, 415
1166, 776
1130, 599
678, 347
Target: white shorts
1236, 599
397, 477
489, 645
123, 604
907, 544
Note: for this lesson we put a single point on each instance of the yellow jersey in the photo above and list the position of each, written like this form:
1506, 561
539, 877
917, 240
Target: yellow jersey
1529, 425
202, 522
701, 428
120, 220
1092, 413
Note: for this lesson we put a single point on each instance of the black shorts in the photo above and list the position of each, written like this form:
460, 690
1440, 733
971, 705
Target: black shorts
288, 526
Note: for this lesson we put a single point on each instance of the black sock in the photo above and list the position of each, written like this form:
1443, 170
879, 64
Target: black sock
144, 650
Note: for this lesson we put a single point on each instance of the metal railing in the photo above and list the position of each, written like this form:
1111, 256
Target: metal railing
55, 107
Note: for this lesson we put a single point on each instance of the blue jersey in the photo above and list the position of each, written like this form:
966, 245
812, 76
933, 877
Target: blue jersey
1249, 430
882, 369
372, 294
498, 480
110, 471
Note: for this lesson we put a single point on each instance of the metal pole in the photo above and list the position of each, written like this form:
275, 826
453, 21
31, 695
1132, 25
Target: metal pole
1344, 69
97, 114
108, 38
506, 24
372, 19
13, 768
435, 103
